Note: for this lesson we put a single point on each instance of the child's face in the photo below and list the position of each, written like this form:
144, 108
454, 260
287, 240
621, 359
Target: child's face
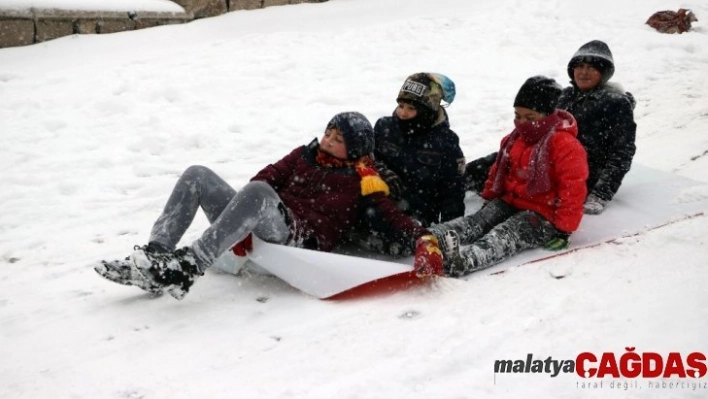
405, 111
586, 76
525, 115
333, 143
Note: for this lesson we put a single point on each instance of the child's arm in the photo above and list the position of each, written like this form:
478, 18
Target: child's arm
571, 171
395, 217
278, 174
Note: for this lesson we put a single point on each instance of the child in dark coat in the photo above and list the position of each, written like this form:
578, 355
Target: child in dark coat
419, 157
605, 115
307, 199
535, 190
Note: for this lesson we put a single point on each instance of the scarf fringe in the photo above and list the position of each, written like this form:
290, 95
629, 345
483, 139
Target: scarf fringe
371, 182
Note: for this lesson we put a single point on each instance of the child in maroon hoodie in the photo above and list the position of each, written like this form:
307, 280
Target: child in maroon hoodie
308, 199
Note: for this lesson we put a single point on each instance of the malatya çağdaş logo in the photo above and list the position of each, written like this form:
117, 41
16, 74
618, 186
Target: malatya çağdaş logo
627, 365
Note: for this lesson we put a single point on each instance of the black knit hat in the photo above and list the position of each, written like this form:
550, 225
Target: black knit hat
357, 132
540, 94
597, 54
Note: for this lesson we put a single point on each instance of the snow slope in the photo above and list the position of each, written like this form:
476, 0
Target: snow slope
96, 129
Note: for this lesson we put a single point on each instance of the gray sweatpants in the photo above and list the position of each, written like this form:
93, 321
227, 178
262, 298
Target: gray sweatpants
498, 231
255, 208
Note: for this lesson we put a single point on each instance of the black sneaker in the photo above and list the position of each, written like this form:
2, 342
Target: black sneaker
154, 271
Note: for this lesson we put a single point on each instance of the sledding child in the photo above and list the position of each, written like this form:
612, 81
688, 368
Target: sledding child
308, 199
605, 116
419, 157
535, 190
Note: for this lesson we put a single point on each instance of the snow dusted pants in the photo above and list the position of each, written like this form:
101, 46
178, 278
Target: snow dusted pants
497, 232
256, 208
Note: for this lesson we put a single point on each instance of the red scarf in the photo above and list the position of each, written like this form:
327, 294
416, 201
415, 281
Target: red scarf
370, 180
327, 160
539, 135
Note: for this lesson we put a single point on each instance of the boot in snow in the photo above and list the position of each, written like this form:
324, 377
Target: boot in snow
154, 271
454, 262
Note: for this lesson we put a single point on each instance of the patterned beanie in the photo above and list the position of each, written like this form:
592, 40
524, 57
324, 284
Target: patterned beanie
597, 54
540, 94
427, 90
357, 131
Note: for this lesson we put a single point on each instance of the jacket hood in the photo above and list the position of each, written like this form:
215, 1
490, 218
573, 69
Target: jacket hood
567, 122
609, 89
442, 117
597, 54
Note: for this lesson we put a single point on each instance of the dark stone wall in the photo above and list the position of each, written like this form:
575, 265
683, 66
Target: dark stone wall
24, 27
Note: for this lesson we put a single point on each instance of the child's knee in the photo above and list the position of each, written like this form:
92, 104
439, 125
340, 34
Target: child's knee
258, 189
197, 171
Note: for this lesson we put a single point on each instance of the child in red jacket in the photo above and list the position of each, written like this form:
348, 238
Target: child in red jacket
308, 199
535, 189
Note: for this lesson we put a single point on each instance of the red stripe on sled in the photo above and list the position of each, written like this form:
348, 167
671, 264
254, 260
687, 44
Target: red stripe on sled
382, 286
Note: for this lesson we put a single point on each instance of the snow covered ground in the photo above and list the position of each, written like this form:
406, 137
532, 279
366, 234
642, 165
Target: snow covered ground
96, 129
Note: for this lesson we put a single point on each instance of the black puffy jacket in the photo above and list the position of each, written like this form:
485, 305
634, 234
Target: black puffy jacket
429, 165
606, 129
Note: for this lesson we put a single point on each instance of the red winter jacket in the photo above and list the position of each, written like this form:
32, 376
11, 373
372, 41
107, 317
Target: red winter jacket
323, 201
562, 205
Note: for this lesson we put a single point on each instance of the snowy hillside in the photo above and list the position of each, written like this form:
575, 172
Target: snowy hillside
96, 130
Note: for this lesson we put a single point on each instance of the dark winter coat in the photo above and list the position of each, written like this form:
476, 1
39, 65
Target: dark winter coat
429, 166
607, 130
562, 205
323, 201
